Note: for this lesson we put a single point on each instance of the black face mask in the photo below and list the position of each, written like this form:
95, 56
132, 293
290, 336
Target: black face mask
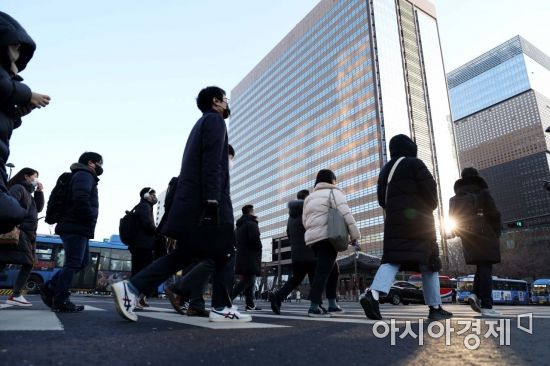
98, 170
226, 113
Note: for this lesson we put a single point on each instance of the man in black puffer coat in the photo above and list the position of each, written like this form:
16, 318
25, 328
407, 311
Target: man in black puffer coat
481, 249
409, 200
249, 255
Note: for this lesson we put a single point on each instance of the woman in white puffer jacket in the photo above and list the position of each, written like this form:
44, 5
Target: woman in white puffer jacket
315, 220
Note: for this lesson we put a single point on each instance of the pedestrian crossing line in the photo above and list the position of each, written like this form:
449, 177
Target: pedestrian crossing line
331, 319
157, 309
92, 308
5, 306
205, 323
25, 320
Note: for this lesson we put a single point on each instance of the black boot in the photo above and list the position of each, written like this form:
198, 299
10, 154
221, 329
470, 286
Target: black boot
66, 307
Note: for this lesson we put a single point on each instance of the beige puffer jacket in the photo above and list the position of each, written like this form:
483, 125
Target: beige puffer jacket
315, 216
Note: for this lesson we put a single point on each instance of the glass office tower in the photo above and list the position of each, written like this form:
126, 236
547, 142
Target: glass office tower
501, 107
331, 94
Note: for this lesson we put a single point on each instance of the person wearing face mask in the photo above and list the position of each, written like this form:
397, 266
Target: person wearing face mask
76, 228
144, 241
16, 101
26, 189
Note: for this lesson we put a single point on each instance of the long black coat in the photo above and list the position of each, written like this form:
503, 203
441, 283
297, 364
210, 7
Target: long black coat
204, 176
481, 249
24, 253
145, 234
249, 246
296, 231
80, 216
12, 91
409, 227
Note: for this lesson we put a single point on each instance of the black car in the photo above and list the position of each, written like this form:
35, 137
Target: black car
405, 293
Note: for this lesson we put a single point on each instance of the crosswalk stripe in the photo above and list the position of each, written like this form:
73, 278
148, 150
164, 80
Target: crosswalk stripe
17, 320
205, 323
92, 308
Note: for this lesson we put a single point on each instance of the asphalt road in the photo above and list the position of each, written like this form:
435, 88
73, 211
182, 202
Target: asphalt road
98, 336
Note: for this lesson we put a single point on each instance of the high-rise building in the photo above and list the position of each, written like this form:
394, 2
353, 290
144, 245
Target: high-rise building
349, 76
500, 106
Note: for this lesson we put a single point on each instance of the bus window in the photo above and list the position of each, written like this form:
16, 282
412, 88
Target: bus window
44, 252
105, 259
120, 260
60, 258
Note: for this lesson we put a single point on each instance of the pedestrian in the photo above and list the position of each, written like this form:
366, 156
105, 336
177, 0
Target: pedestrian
298, 296
315, 220
16, 100
143, 242
202, 195
409, 199
27, 190
249, 256
303, 258
76, 228
480, 247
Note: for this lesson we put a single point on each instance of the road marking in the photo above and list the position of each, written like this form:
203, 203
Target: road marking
332, 319
5, 306
205, 323
17, 320
92, 308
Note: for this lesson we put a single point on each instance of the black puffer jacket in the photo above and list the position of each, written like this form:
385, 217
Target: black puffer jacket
409, 227
296, 231
12, 92
249, 246
145, 235
24, 252
481, 249
82, 208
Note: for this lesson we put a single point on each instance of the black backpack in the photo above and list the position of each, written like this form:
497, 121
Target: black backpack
128, 227
466, 209
58, 199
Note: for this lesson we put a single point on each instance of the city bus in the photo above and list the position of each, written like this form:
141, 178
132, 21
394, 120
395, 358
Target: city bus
540, 291
505, 291
447, 286
110, 262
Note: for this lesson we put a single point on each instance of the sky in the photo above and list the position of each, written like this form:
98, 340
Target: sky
123, 76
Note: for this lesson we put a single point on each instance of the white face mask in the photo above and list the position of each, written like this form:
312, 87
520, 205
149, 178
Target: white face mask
34, 183
231, 165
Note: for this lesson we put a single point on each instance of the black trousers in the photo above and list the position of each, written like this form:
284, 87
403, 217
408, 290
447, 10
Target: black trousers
141, 258
326, 272
299, 272
193, 282
147, 280
246, 285
483, 285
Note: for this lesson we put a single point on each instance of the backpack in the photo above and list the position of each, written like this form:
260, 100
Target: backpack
128, 227
58, 199
466, 209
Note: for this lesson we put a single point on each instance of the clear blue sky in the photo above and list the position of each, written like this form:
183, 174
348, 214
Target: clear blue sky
123, 75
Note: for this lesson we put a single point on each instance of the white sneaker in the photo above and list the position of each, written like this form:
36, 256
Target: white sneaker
125, 300
18, 301
491, 313
474, 303
228, 315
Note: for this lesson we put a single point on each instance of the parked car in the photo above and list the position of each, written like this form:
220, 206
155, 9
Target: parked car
403, 292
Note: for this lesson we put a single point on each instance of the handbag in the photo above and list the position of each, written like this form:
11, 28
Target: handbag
10, 239
338, 232
11, 212
389, 180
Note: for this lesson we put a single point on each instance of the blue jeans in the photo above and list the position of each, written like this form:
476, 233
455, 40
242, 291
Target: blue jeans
385, 276
77, 255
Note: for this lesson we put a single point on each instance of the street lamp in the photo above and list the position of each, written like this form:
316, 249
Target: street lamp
11, 166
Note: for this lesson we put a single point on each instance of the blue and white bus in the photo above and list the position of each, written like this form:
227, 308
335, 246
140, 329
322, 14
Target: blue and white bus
540, 291
110, 262
505, 291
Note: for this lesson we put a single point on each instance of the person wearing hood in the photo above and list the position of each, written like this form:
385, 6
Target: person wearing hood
144, 241
481, 249
76, 228
303, 258
249, 256
409, 228
26, 188
16, 101
315, 220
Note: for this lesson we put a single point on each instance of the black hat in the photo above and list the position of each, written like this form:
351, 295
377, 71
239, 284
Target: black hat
146, 190
469, 172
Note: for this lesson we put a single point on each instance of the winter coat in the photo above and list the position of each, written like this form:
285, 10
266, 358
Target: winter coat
315, 216
81, 211
24, 253
204, 176
296, 231
249, 246
481, 249
12, 92
409, 226
145, 234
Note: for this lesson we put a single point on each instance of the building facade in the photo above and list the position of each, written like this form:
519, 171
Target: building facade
349, 76
501, 107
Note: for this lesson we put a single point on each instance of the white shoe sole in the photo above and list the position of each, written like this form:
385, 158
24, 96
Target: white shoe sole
17, 303
119, 305
242, 319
